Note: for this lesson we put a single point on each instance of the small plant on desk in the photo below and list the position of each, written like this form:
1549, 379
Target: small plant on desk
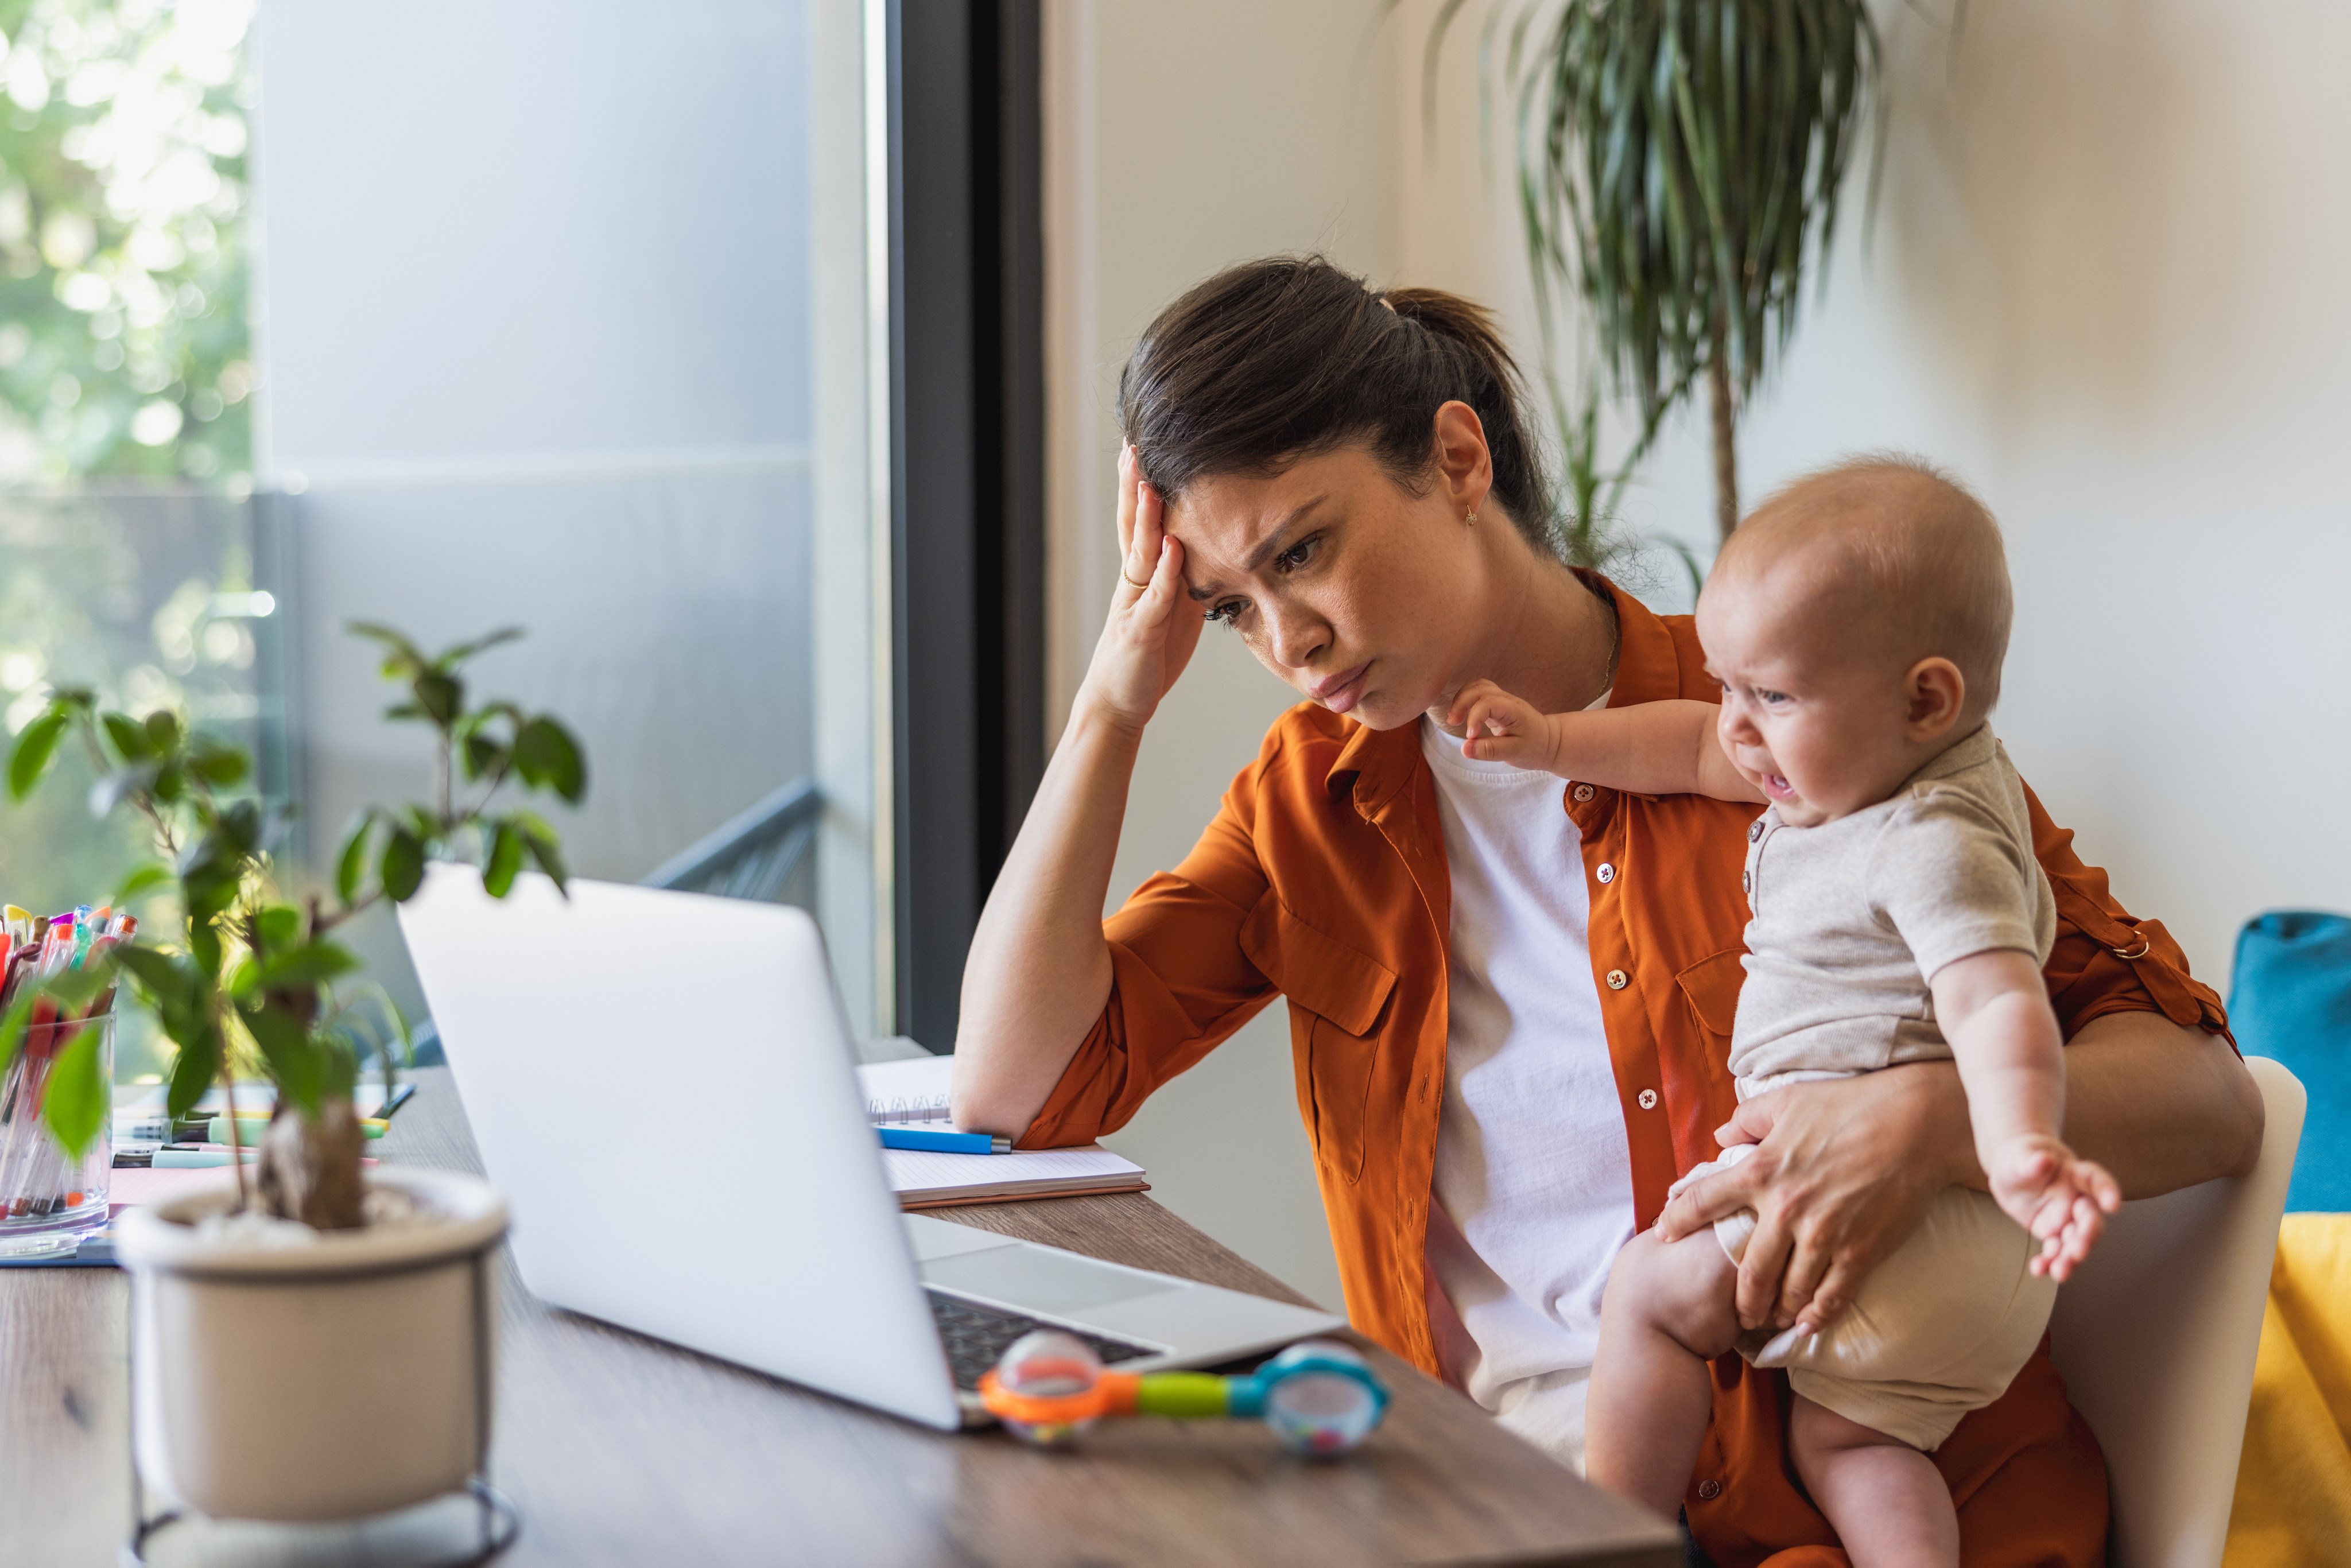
248, 980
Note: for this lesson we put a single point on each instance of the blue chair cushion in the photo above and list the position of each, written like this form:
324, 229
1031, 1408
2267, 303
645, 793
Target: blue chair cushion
2291, 1001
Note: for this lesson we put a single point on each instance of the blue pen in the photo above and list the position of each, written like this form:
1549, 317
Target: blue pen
942, 1141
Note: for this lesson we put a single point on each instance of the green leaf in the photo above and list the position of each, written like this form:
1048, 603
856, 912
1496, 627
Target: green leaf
193, 1072
483, 756
402, 659
129, 736
73, 990
287, 1047
244, 976
75, 1105
243, 826
12, 1025
544, 847
350, 866
163, 730
36, 748
164, 979
205, 947
506, 859
170, 784
451, 658
281, 926
142, 880
313, 964
219, 765
401, 870
442, 697
339, 1068
549, 758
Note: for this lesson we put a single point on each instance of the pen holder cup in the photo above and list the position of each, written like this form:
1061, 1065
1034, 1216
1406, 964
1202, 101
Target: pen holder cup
48, 1194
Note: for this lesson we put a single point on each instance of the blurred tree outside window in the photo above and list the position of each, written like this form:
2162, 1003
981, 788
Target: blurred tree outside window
124, 351
130, 541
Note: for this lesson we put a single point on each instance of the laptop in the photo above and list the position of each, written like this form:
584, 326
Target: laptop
663, 1085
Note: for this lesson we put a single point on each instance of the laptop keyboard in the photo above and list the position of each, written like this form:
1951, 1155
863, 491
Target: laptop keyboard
976, 1337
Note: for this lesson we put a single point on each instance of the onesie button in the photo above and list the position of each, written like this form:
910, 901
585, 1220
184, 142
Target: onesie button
1754, 830
1709, 1490
1618, 979
1606, 873
1583, 791
1746, 882
1648, 1098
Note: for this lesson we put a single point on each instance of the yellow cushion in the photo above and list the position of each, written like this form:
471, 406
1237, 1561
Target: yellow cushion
2293, 1484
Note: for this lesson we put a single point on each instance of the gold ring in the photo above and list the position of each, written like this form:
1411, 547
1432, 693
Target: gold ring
1130, 582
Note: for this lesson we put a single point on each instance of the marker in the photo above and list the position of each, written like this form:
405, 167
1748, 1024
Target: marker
942, 1141
176, 1159
252, 1127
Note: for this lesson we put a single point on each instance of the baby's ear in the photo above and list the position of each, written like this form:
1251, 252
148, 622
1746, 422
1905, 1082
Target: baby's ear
1935, 695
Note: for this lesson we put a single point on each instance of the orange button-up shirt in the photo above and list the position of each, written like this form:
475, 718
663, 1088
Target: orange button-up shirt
1322, 879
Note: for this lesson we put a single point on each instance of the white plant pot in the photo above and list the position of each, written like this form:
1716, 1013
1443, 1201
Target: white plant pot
344, 1377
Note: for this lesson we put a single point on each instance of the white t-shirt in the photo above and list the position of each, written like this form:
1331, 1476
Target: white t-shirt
1534, 1176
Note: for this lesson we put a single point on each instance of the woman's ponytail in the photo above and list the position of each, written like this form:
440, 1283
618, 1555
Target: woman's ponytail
1273, 360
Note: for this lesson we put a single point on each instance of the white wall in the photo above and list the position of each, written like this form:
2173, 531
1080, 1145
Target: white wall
1183, 137
2105, 287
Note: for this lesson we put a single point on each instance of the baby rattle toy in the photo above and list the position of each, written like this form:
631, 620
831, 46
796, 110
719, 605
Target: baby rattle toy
1319, 1396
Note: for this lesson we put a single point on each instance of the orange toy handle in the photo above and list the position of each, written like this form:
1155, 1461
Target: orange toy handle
1112, 1394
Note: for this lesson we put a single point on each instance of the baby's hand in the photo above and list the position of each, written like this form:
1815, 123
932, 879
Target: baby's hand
1503, 728
2062, 1198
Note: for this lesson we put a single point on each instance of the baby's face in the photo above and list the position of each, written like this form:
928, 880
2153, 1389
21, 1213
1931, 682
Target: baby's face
1814, 721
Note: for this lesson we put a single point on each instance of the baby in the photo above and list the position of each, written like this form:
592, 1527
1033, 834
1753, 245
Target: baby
1857, 622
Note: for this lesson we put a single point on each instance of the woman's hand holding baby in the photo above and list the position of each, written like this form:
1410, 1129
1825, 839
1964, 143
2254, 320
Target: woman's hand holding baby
2060, 1197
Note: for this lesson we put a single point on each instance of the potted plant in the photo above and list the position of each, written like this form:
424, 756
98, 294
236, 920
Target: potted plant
1680, 166
311, 1341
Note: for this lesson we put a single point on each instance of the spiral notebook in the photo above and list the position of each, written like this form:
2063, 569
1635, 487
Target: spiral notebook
915, 1092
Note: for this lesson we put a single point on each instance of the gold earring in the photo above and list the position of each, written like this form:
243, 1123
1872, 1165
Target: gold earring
1470, 517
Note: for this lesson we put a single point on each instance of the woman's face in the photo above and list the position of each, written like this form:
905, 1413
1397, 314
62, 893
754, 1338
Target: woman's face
1359, 594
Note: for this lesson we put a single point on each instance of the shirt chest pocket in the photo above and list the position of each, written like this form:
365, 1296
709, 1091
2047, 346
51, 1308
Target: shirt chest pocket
1338, 1001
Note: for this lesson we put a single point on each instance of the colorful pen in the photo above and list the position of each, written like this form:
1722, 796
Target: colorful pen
171, 1159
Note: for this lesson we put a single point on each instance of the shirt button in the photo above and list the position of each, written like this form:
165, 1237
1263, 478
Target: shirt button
1648, 1098
1709, 1490
1618, 979
1606, 873
1754, 830
1583, 791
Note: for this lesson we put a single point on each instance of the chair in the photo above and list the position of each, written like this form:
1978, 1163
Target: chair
752, 856
2155, 1336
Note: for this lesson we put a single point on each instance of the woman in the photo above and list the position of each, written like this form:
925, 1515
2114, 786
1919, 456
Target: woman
1510, 1000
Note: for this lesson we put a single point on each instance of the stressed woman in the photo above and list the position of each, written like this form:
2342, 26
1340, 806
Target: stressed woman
1509, 999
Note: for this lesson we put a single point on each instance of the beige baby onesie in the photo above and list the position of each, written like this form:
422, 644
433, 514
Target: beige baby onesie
1850, 920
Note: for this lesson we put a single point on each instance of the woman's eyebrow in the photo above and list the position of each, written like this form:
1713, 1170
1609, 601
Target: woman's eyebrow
1266, 549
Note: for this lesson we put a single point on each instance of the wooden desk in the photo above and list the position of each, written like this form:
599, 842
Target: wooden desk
620, 1449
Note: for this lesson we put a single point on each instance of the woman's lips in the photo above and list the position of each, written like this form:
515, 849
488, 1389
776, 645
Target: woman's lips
1341, 692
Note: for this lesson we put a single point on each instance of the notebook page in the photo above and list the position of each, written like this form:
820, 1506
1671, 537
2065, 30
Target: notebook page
921, 1171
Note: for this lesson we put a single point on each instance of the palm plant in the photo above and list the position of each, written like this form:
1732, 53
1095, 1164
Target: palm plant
1679, 165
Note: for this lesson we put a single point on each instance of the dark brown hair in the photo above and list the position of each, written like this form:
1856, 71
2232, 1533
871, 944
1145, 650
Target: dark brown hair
1286, 358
